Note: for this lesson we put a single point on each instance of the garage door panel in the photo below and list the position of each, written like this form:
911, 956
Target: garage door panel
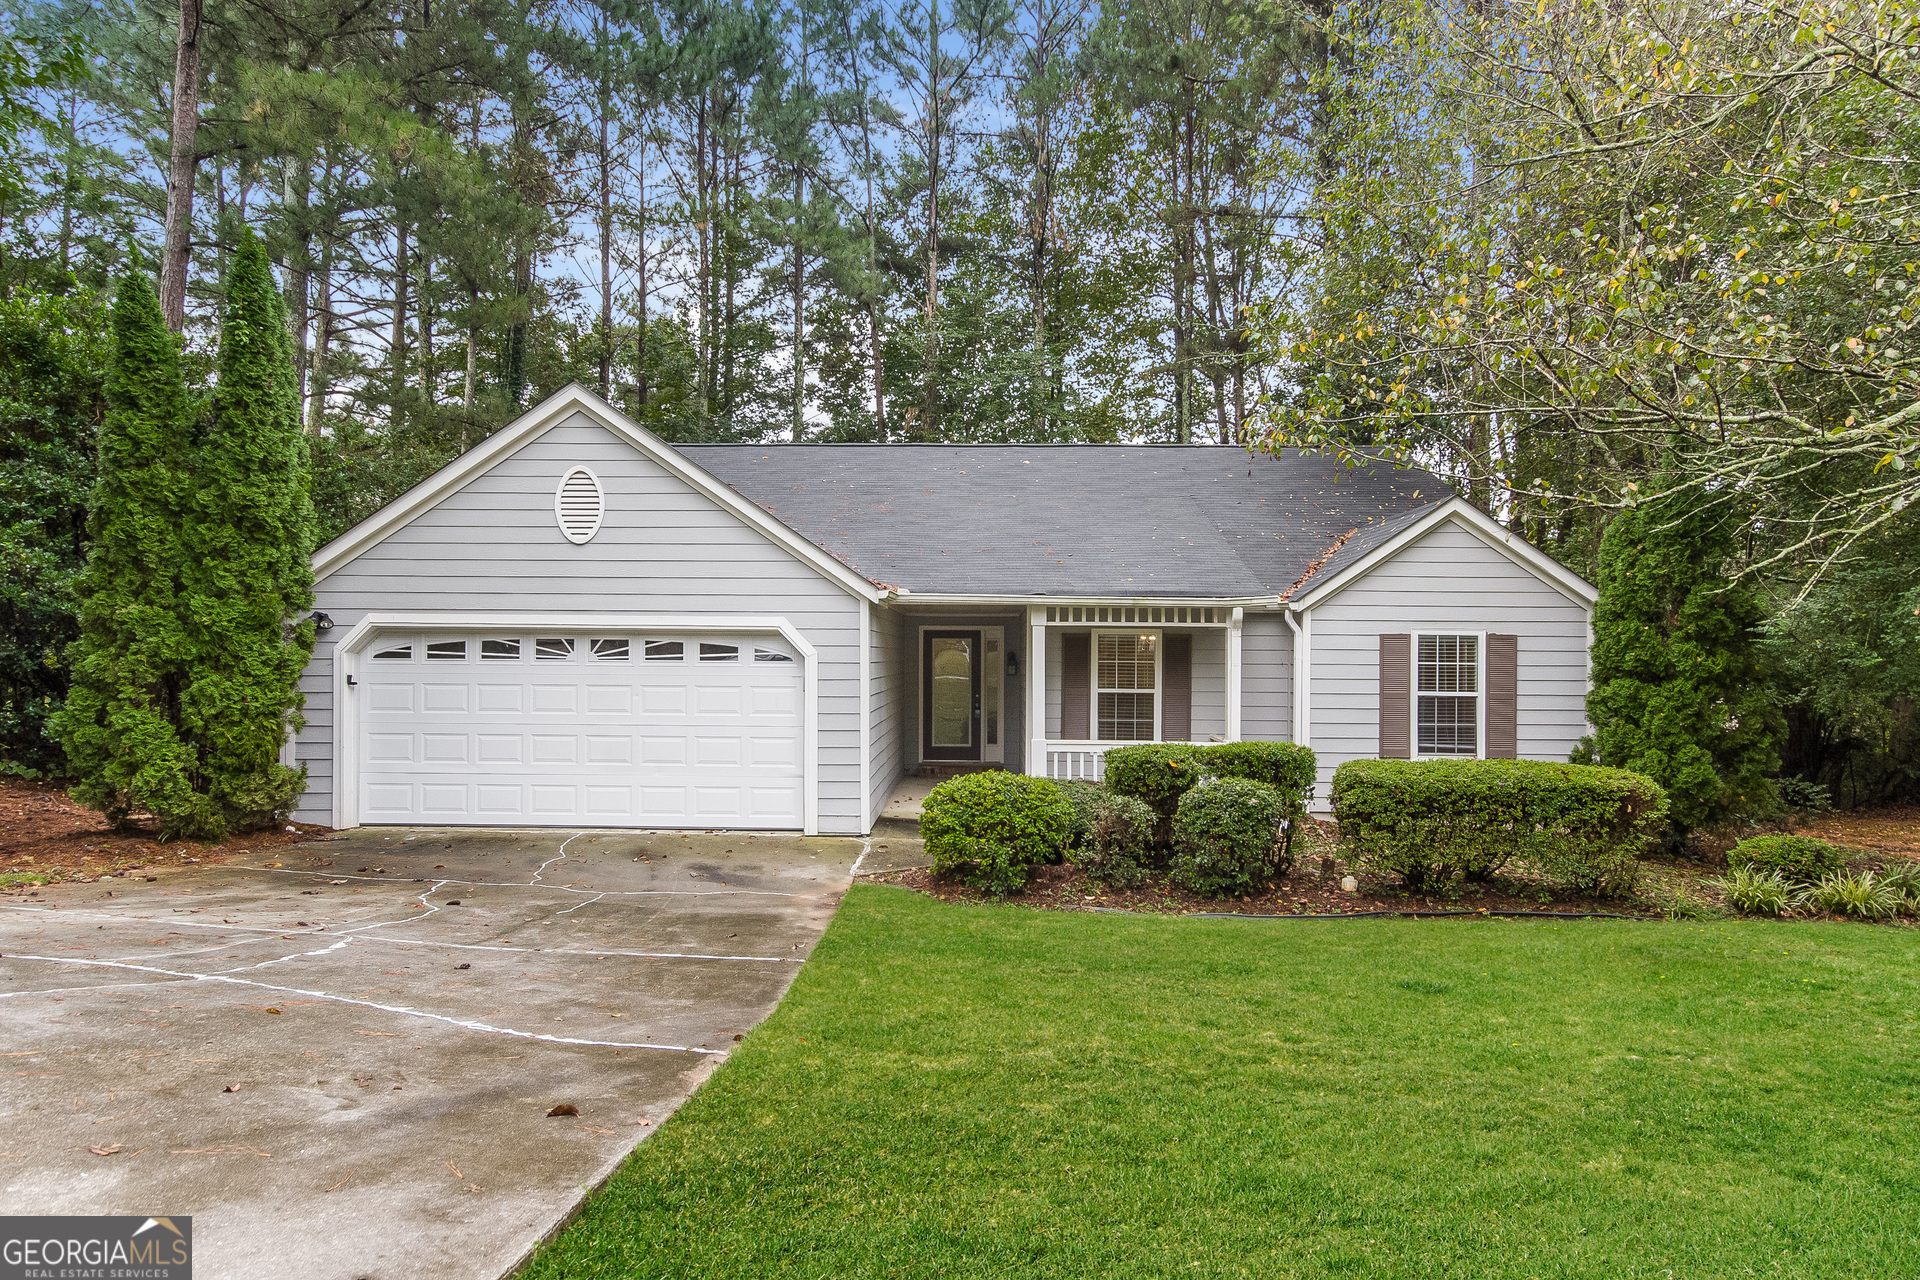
609, 749
390, 748
549, 748
603, 700
390, 697
717, 700
443, 697
580, 738
657, 700
655, 749
717, 751
502, 697
556, 699
501, 748
443, 748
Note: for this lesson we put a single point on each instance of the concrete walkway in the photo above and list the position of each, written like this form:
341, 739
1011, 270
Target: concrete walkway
341, 1063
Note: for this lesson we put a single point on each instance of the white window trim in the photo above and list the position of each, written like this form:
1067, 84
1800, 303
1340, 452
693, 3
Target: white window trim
345, 658
1159, 683
1479, 696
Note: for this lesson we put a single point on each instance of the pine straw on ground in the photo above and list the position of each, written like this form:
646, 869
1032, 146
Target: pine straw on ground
45, 837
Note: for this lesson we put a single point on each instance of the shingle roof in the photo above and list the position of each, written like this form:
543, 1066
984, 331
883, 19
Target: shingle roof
1075, 520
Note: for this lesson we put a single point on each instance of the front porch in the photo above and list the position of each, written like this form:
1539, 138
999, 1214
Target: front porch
1048, 689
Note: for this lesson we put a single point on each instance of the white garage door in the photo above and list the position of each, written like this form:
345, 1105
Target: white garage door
591, 730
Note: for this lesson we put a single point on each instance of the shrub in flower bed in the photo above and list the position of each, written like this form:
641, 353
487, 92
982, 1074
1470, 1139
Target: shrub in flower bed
1756, 893
1797, 859
1845, 894
1435, 821
1086, 798
1227, 837
990, 829
1286, 766
1157, 773
1118, 849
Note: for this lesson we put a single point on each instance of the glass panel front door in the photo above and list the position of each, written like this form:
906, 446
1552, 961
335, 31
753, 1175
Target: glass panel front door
950, 693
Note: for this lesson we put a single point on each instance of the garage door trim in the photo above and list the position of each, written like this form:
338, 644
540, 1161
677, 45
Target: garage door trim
347, 657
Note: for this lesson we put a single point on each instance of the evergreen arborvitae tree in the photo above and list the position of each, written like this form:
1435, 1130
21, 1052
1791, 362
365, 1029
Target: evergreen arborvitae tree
120, 724
248, 579
1679, 693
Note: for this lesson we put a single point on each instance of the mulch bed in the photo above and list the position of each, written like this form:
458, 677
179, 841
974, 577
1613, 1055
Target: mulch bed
45, 836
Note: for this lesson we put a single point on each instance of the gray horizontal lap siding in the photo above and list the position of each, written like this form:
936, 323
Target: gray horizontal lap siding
1266, 678
662, 548
1449, 580
885, 710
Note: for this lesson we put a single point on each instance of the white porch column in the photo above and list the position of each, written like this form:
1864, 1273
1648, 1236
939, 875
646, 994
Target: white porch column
1037, 690
1233, 674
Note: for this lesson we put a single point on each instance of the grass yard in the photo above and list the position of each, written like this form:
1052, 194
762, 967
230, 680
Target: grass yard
964, 1091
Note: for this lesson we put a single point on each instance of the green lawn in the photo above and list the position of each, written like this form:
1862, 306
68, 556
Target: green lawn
959, 1091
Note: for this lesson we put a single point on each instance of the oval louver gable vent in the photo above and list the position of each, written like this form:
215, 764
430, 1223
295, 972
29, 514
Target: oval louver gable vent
579, 505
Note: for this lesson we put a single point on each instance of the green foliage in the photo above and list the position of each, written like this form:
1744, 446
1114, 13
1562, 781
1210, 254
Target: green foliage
989, 829
1438, 821
1158, 773
120, 724
1903, 879
1755, 892
1862, 896
1086, 799
1679, 693
192, 642
1227, 837
1799, 859
248, 580
53, 363
1286, 765
1119, 845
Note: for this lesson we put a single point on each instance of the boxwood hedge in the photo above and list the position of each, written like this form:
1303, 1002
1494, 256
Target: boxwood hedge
989, 829
1434, 821
1796, 859
1227, 837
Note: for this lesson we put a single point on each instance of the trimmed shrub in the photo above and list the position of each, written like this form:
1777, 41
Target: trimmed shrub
989, 829
1798, 859
1845, 894
1286, 765
1119, 846
1756, 893
1435, 821
1226, 836
1157, 772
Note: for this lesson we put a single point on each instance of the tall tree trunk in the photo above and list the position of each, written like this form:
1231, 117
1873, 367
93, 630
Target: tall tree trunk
929, 393
640, 333
294, 197
397, 345
606, 222
323, 335
182, 161
427, 371
704, 180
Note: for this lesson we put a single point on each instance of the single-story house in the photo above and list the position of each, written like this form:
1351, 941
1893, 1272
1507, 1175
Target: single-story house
579, 624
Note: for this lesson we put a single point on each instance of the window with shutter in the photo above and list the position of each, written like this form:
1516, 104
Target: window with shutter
1503, 700
1176, 675
1396, 670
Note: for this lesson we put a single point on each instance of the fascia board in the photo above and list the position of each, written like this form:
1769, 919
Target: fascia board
530, 426
1027, 601
1464, 514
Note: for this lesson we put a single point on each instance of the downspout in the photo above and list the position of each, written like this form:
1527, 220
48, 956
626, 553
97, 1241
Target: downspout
1302, 628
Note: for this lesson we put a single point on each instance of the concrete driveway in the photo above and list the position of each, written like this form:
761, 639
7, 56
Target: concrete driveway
341, 1062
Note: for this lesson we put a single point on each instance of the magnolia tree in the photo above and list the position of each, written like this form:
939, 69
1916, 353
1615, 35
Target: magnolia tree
1567, 248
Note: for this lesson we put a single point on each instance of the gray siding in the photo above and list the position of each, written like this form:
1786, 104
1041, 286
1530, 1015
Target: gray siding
664, 547
892, 692
1449, 580
1266, 678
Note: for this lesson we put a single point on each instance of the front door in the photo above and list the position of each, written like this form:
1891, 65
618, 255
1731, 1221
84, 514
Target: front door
950, 666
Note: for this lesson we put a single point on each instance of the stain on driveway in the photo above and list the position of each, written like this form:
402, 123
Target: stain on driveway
341, 1065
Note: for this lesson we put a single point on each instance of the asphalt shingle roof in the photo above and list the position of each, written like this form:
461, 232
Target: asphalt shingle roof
1076, 520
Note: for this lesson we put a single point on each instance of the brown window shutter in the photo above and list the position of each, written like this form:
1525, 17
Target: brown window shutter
1176, 673
1396, 677
1503, 697
1076, 673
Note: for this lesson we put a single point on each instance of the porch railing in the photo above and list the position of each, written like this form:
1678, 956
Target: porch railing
1079, 761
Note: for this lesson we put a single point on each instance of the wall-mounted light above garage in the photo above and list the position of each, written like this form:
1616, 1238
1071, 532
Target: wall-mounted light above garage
579, 504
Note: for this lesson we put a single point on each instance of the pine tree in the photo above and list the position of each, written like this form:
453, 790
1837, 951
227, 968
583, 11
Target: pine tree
120, 722
1679, 692
248, 579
